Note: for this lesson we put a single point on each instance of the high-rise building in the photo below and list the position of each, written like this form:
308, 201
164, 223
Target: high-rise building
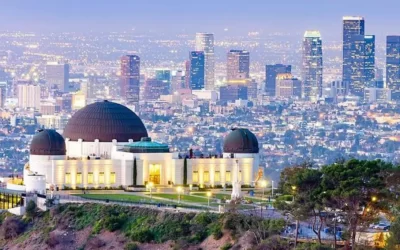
312, 66
153, 89
3, 93
28, 95
271, 71
197, 70
205, 43
393, 66
130, 78
164, 75
231, 93
238, 65
358, 55
287, 86
178, 80
380, 95
57, 76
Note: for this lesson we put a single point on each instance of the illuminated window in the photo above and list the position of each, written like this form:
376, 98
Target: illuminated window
67, 178
195, 176
79, 178
217, 176
113, 178
90, 178
228, 176
101, 178
206, 176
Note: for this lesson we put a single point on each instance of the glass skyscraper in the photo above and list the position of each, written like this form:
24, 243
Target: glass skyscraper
205, 43
164, 75
312, 66
358, 55
197, 70
130, 78
271, 71
238, 65
393, 65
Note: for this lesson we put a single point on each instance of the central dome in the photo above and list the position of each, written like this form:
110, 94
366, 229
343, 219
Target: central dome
241, 140
105, 121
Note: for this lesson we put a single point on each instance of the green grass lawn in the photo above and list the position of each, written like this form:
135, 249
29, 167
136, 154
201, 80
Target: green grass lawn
114, 197
184, 197
228, 196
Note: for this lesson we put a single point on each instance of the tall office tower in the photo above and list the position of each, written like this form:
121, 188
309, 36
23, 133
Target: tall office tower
230, 93
164, 75
238, 65
178, 80
205, 43
358, 55
57, 76
3, 93
271, 71
197, 70
130, 78
312, 66
153, 89
287, 86
28, 95
393, 66
187, 73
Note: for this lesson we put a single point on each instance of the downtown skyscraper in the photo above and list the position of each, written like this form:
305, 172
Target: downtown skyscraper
358, 55
393, 65
205, 43
197, 70
238, 65
312, 66
130, 79
271, 72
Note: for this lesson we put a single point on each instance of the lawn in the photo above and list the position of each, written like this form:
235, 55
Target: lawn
228, 196
185, 198
114, 197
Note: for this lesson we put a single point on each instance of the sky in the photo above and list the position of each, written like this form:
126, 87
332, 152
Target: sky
189, 16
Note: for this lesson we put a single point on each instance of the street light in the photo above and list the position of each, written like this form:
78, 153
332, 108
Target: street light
294, 190
263, 185
374, 199
209, 196
150, 186
179, 190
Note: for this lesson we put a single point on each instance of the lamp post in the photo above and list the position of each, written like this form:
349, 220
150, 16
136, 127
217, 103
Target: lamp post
208, 197
263, 185
294, 190
150, 187
272, 188
179, 190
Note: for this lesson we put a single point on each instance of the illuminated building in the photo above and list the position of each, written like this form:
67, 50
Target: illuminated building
130, 79
271, 71
380, 95
287, 86
393, 65
197, 70
57, 76
28, 96
238, 65
164, 75
3, 93
104, 141
154, 88
205, 43
312, 66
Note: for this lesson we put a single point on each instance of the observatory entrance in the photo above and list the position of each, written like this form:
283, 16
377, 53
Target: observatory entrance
155, 174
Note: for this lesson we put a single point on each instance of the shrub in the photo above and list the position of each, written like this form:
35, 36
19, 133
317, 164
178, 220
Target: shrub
11, 228
142, 235
226, 246
215, 229
131, 246
115, 222
31, 209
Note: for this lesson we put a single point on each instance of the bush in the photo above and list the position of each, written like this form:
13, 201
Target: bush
114, 222
226, 246
215, 230
31, 209
131, 246
142, 235
11, 228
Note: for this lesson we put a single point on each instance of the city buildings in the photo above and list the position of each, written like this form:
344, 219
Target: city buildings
3, 93
57, 76
312, 66
271, 71
197, 70
358, 55
154, 88
28, 95
380, 95
233, 92
205, 43
164, 75
178, 80
238, 66
130, 79
288, 86
393, 65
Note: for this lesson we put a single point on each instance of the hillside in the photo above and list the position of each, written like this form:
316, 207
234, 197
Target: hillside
95, 226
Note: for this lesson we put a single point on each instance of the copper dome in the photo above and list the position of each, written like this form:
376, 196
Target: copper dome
105, 121
47, 142
241, 140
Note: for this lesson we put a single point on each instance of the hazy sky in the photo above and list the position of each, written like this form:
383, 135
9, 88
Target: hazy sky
177, 16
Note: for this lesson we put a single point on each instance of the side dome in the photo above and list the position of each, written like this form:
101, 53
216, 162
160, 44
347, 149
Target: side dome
241, 140
105, 121
47, 142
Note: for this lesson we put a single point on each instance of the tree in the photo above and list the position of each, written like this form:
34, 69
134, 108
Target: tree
357, 188
185, 171
393, 241
134, 172
31, 209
